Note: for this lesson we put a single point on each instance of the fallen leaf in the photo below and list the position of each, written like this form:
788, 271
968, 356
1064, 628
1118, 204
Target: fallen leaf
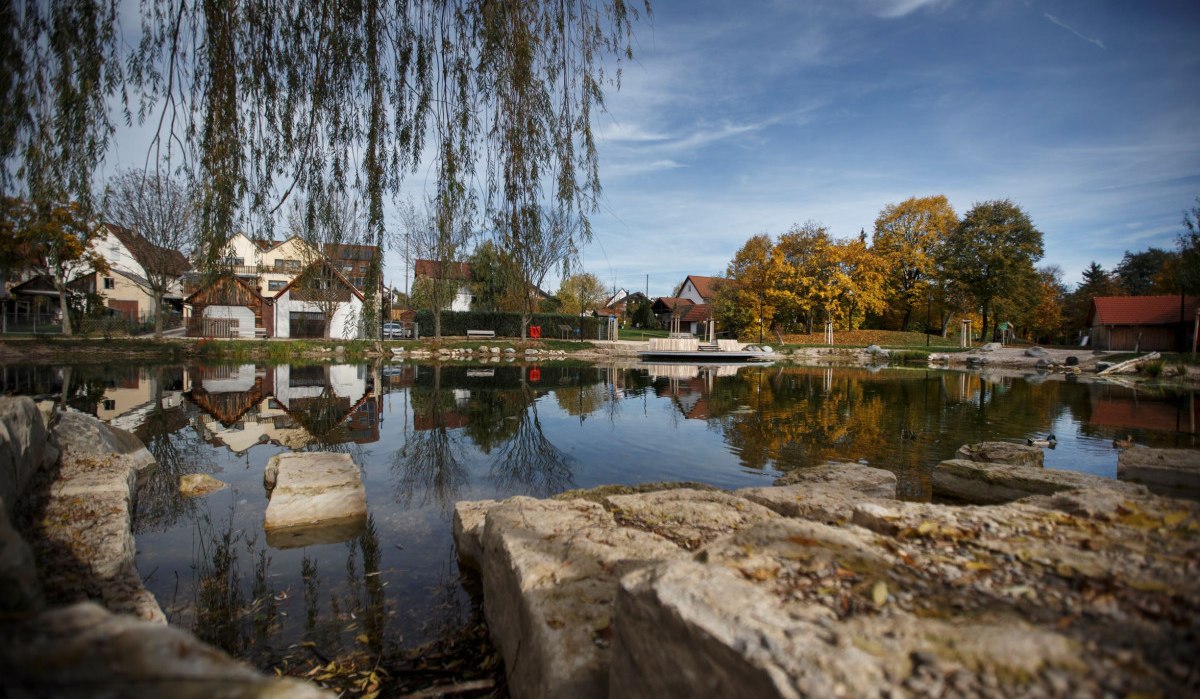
879, 593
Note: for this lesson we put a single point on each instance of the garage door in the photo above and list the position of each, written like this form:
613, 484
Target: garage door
128, 308
306, 324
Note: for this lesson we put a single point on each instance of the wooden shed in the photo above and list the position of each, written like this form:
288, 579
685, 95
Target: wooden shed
229, 307
1143, 323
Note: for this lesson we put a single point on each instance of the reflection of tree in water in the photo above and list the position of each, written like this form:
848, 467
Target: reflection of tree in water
428, 463
360, 608
177, 453
238, 621
584, 392
529, 463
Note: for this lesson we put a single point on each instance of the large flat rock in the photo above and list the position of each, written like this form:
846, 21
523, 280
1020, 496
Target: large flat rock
689, 518
550, 570
1003, 453
984, 483
1174, 472
846, 476
25, 446
315, 498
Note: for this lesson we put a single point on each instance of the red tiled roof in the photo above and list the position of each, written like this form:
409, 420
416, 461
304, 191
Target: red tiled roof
698, 313
1141, 310
432, 269
705, 286
673, 302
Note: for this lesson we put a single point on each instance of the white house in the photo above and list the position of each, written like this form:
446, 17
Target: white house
305, 304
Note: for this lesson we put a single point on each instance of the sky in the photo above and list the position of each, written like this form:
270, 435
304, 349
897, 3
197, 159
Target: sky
740, 118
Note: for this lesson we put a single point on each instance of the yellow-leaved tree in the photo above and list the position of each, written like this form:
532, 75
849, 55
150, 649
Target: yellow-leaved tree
907, 235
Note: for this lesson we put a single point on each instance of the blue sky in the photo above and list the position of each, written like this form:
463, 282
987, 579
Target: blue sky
743, 118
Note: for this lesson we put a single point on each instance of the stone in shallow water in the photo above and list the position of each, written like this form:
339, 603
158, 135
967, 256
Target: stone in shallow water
981, 483
315, 497
846, 475
1173, 472
196, 484
1003, 453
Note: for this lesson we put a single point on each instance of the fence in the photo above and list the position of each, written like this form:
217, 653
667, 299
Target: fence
15, 321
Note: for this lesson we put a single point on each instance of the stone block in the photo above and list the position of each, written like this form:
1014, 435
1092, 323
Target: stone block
980, 483
25, 446
469, 518
1173, 472
315, 498
550, 571
689, 518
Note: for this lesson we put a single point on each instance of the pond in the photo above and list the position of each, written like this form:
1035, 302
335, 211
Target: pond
427, 436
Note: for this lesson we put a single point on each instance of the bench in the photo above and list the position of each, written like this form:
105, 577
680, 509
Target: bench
481, 333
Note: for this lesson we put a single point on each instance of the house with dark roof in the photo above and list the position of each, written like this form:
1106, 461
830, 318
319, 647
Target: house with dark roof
319, 302
690, 310
133, 263
1143, 323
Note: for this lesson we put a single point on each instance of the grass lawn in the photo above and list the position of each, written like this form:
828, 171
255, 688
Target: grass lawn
863, 338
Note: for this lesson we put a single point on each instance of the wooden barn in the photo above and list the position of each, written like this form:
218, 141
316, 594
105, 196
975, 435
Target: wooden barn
229, 307
1143, 323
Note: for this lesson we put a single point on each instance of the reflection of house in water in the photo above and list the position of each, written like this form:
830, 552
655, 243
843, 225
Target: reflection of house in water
130, 396
1129, 411
286, 405
689, 386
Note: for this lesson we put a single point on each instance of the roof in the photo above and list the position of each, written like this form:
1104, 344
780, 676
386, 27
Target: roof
431, 269
705, 286
672, 302
338, 275
224, 278
338, 251
697, 313
148, 254
1142, 310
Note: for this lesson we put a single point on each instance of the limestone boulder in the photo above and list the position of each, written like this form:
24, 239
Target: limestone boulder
468, 523
25, 445
1173, 472
550, 570
847, 476
198, 484
983, 483
315, 498
689, 518
20, 588
1002, 453
84, 651
820, 502
83, 540
1036, 352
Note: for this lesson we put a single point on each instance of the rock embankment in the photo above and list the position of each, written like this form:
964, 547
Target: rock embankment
76, 620
829, 587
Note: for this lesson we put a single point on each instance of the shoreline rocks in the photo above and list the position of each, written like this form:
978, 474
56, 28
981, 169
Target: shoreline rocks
1082, 587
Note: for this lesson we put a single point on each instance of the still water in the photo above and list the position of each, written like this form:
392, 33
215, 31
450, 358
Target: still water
427, 436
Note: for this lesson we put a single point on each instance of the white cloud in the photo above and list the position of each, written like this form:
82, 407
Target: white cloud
1064, 25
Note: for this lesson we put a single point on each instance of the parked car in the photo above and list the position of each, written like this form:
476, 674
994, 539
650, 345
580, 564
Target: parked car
393, 330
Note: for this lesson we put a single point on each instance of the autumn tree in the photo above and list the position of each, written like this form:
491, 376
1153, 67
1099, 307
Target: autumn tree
807, 288
581, 292
861, 285
748, 303
907, 235
1044, 318
160, 210
992, 254
57, 241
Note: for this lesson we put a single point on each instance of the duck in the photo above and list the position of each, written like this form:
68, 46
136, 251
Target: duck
1049, 441
1123, 443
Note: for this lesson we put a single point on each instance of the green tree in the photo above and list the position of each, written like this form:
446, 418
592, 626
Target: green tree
494, 281
1143, 273
992, 254
643, 315
907, 235
1188, 262
1096, 282
581, 292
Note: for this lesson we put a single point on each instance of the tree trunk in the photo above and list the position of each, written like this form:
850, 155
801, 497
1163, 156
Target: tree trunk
983, 330
907, 317
64, 310
157, 315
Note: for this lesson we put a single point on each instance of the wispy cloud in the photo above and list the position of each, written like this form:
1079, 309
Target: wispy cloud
1064, 25
892, 9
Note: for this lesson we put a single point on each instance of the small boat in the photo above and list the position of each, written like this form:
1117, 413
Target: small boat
690, 349
1123, 443
1049, 441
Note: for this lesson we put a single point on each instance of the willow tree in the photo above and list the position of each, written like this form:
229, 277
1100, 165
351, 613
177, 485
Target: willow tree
259, 99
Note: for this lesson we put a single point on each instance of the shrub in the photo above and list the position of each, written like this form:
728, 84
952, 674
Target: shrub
1153, 368
457, 323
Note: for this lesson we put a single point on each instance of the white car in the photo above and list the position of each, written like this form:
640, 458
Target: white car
393, 330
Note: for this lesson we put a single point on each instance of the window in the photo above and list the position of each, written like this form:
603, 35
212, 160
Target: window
275, 285
110, 283
287, 265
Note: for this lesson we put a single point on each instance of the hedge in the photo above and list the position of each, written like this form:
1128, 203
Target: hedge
457, 323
